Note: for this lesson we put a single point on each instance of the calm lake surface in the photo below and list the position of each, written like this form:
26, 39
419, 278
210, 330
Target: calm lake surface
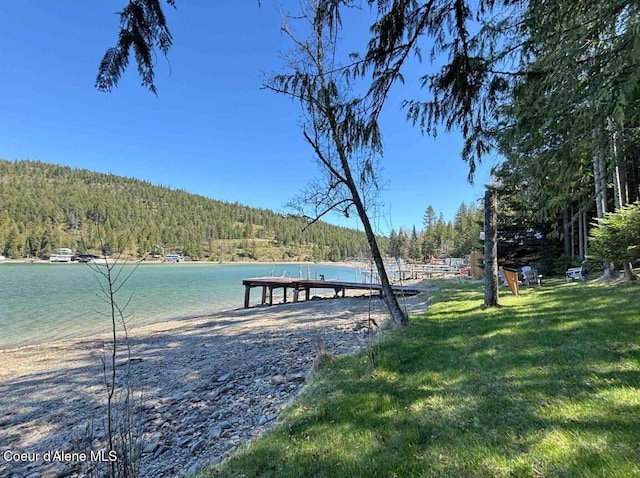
44, 302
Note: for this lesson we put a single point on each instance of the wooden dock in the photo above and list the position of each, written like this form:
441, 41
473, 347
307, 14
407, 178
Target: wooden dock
268, 285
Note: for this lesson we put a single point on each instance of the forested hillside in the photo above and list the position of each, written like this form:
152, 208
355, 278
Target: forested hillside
46, 206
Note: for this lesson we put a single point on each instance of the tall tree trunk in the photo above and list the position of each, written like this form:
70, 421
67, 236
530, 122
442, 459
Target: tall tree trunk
633, 176
397, 315
619, 171
581, 240
599, 175
620, 189
585, 235
490, 248
600, 181
566, 231
573, 234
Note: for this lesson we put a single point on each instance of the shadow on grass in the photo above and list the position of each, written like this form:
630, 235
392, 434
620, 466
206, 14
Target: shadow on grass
548, 385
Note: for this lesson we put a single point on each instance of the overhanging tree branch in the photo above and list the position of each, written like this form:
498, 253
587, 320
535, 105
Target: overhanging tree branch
143, 28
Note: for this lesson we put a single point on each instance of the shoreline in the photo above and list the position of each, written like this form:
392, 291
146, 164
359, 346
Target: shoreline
150, 326
203, 262
69, 322
209, 383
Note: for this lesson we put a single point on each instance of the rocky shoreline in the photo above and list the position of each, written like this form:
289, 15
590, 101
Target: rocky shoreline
207, 385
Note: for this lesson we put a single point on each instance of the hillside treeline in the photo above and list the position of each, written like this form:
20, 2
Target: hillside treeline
46, 206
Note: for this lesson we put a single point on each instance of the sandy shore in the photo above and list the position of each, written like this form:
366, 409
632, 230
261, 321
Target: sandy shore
208, 384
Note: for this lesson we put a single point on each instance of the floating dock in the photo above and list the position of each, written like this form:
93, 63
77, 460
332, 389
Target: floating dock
268, 285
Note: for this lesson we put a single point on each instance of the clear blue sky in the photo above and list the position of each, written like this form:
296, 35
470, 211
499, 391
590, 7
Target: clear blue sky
211, 130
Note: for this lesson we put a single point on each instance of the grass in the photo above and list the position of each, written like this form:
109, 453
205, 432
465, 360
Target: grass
547, 385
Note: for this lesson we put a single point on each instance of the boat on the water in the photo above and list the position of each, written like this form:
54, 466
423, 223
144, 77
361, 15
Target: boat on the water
63, 254
173, 258
60, 258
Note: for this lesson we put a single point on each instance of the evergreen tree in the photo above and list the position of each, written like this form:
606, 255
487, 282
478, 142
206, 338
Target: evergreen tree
467, 227
414, 246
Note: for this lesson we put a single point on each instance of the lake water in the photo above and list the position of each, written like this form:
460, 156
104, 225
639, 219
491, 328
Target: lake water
44, 302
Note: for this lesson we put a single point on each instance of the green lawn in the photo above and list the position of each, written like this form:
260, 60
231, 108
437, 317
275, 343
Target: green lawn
547, 385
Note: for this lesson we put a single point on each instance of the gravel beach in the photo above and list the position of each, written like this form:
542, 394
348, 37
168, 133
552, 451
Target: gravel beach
203, 385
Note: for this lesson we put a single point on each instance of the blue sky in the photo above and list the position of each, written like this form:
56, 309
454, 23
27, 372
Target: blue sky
211, 130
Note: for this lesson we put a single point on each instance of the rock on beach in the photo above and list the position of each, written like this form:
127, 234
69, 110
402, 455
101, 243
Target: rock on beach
201, 386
